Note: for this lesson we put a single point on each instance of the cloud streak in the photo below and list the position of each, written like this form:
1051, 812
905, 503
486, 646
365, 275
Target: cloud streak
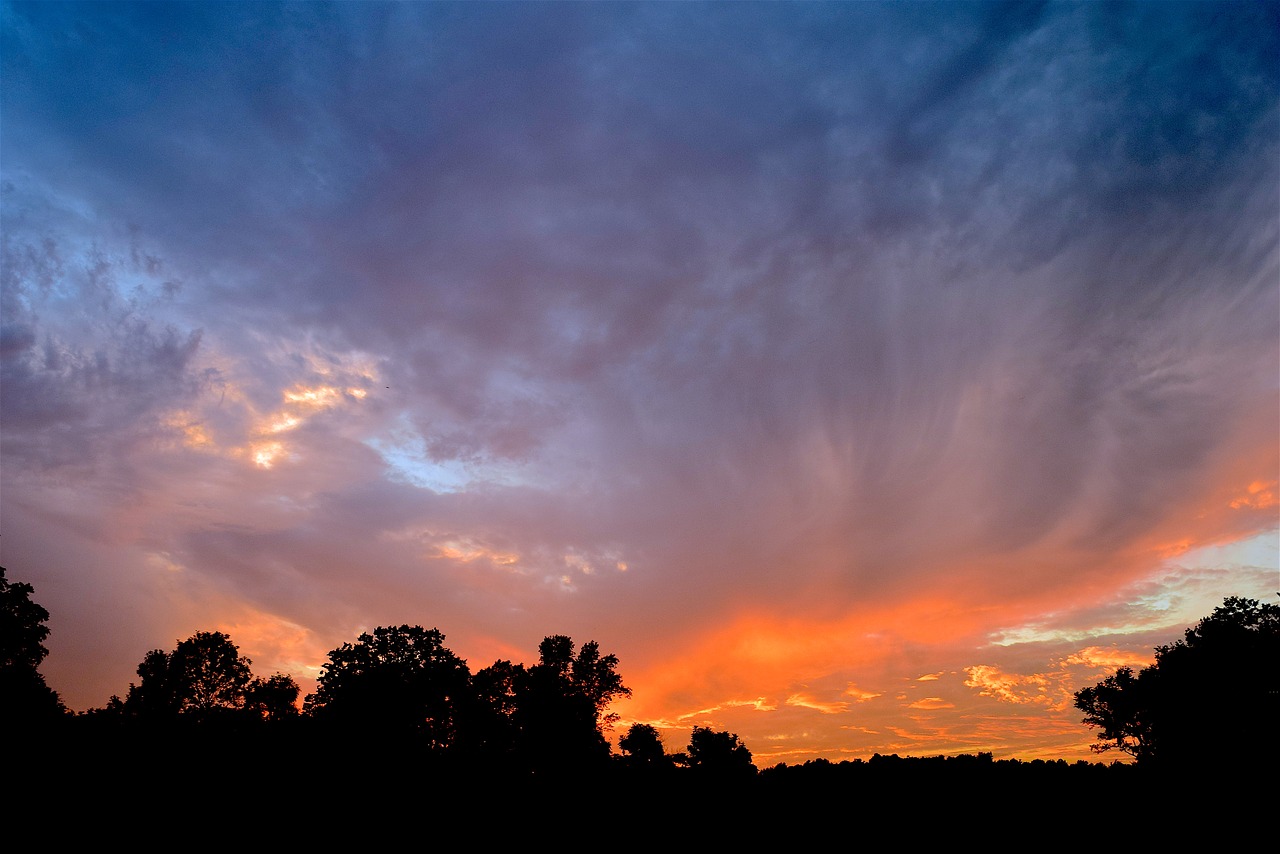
778, 348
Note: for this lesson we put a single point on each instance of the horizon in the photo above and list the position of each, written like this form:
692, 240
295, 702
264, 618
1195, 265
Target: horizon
868, 377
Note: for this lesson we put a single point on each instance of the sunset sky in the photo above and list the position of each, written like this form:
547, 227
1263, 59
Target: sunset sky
868, 377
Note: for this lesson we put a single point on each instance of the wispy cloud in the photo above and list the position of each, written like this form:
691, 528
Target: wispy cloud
779, 348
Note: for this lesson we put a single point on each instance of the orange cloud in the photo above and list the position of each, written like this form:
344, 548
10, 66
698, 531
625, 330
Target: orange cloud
807, 702
314, 397
191, 430
266, 454
1010, 687
466, 550
1107, 659
771, 656
929, 703
276, 644
758, 704
859, 695
1259, 495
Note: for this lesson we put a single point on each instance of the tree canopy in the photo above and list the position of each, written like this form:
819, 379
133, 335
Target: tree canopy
272, 699
27, 699
1211, 698
642, 747
204, 678
22, 626
560, 705
399, 679
397, 685
719, 753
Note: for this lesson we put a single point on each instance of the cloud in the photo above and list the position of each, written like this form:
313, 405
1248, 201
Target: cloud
808, 702
931, 703
87, 359
861, 696
1009, 687
779, 349
1108, 659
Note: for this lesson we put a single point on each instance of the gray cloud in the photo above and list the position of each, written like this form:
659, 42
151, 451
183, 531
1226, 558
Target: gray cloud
808, 305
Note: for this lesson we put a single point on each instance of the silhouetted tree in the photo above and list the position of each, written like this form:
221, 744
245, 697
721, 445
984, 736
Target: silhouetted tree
555, 653
596, 676
587, 674
272, 699
1222, 678
25, 699
1121, 707
719, 753
157, 693
22, 626
204, 675
490, 730
396, 681
642, 748
555, 725
560, 705
211, 673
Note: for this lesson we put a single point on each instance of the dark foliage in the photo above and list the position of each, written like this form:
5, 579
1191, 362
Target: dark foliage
272, 699
203, 680
721, 754
398, 683
25, 699
559, 712
1210, 699
400, 737
643, 750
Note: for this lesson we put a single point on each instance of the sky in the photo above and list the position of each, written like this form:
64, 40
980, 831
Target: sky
868, 377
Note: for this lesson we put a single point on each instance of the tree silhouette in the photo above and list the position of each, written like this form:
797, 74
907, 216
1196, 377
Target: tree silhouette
22, 626
556, 724
557, 707
205, 675
398, 681
272, 699
211, 673
27, 700
157, 693
1121, 707
588, 674
490, 732
642, 748
720, 753
1222, 679
596, 677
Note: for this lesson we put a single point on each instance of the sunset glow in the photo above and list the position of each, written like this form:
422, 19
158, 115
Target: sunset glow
868, 377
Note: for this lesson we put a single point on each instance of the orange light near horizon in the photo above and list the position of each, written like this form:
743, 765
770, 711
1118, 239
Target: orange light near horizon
276, 645
787, 663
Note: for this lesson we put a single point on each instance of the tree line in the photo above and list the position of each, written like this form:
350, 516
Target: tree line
396, 691
399, 695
